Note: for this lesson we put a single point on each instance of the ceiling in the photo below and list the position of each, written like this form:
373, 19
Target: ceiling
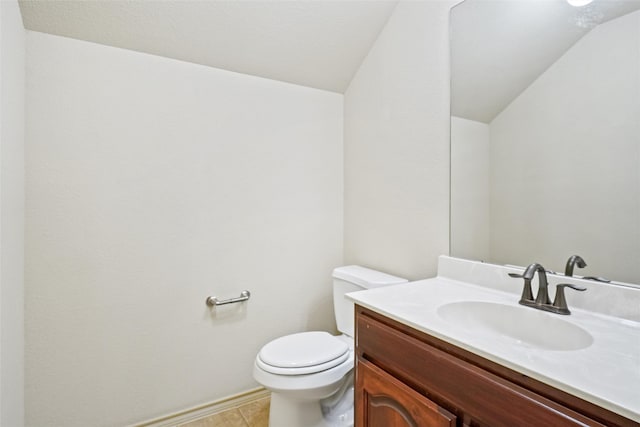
499, 47
316, 43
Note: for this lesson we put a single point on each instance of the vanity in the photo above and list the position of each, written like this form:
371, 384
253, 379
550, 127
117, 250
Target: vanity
458, 350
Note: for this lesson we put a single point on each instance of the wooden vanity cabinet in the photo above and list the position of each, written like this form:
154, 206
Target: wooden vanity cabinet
405, 377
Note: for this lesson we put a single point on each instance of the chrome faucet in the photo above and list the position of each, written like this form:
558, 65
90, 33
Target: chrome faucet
573, 261
542, 301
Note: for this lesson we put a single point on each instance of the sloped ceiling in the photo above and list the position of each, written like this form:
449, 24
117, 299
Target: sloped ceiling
499, 47
316, 43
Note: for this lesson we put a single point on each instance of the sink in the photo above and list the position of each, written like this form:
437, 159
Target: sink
520, 325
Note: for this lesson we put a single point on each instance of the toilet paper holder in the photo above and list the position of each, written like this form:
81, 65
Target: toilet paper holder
214, 301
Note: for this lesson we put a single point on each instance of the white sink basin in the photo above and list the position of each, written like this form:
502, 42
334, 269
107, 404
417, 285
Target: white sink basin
522, 325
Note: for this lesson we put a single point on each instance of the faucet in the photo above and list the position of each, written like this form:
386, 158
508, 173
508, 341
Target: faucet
577, 260
542, 301
527, 294
543, 294
573, 261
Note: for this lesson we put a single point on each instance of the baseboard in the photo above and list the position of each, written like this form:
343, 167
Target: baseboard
206, 410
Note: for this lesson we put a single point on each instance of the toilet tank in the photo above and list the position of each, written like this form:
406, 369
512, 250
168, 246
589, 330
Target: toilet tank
353, 278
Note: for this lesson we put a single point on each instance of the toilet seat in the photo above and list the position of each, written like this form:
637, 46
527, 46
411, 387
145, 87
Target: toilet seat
302, 353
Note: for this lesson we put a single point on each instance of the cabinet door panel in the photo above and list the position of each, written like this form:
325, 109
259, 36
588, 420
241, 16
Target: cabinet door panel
384, 401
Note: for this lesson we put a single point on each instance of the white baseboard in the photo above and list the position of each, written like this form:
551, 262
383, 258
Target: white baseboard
206, 410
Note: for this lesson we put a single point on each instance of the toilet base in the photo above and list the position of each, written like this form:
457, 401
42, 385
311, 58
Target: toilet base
285, 412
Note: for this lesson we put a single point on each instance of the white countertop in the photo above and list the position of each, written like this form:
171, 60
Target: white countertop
606, 373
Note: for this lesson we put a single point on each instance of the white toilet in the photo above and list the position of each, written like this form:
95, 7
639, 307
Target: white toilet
310, 374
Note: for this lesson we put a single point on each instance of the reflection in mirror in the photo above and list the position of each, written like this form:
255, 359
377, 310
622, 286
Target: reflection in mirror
545, 134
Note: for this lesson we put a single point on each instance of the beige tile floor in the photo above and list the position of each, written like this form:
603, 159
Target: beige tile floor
254, 414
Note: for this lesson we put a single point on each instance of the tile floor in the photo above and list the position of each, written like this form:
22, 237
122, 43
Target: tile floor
253, 414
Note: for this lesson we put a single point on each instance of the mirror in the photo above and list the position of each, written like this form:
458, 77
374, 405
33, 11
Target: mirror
545, 134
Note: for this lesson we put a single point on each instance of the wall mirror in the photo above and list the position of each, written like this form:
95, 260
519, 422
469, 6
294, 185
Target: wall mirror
545, 134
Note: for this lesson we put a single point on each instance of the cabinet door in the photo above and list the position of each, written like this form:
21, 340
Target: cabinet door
384, 401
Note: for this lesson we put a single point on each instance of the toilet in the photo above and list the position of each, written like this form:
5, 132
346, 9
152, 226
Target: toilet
310, 374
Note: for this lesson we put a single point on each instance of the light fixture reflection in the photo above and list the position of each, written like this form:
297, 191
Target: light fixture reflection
579, 3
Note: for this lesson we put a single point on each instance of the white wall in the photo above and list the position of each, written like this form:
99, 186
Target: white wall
470, 222
397, 146
579, 120
12, 59
152, 183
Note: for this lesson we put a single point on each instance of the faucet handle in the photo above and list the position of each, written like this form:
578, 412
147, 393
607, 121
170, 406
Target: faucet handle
597, 279
527, 294
559, 302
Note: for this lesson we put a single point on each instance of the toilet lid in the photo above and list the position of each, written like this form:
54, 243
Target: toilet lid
303, 353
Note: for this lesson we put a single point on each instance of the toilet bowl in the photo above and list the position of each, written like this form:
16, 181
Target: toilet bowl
310, 374
299, 387
315, 377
